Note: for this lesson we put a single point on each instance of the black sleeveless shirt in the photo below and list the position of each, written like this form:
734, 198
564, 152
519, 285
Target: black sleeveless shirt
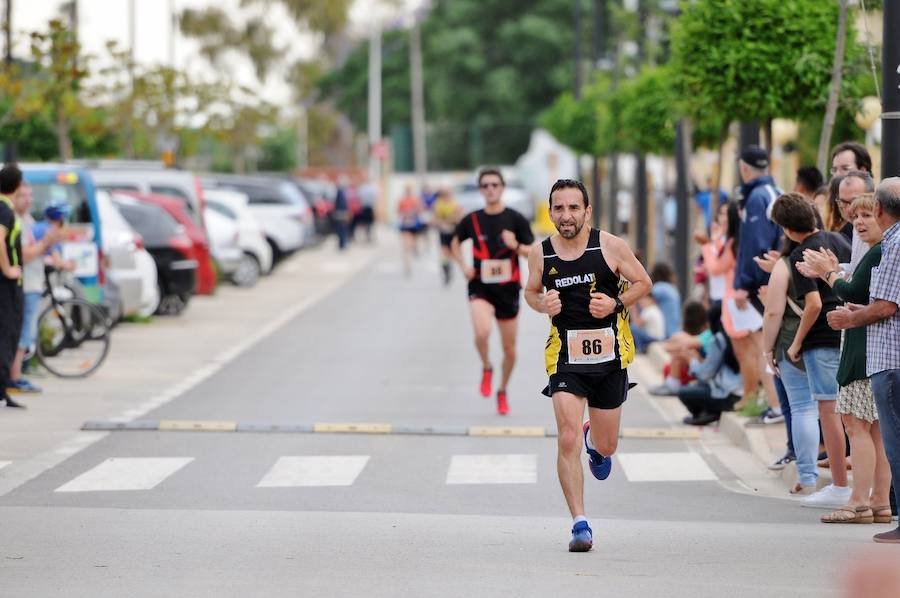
578, 341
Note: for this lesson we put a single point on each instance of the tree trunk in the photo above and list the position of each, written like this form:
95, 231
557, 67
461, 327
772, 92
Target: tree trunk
767, 136
63, 141
834, 91
717, 180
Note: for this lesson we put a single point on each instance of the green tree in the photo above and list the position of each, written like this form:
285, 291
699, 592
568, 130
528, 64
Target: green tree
757, 59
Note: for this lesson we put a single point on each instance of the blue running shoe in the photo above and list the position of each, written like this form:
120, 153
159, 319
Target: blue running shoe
600, 465
23, 386
582, 537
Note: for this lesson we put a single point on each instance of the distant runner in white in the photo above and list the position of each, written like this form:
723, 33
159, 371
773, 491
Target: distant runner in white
591, 279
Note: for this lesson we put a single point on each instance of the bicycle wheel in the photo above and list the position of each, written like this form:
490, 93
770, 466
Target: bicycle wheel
73, 338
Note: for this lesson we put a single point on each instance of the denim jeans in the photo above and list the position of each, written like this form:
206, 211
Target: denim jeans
642, 339
821, 369
804, 421
786, 412
886, 388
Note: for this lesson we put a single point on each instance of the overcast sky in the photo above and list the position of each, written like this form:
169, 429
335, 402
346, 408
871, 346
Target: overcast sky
103, 20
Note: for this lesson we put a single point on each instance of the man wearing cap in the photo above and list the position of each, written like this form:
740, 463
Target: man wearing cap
758, 236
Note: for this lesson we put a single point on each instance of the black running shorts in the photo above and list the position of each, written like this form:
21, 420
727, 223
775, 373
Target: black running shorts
602, 391
504, 297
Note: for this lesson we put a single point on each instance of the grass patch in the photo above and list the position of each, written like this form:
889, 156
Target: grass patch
138, 319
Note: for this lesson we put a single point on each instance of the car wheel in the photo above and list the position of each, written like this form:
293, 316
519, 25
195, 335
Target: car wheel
277, 254
247, 273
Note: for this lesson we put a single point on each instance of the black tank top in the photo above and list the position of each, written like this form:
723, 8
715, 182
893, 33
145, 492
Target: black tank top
578, 341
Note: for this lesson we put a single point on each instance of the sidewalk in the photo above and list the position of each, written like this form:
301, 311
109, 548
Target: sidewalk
153, 363
746, 451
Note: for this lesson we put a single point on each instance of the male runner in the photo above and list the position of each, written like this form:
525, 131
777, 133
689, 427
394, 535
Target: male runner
592, 278
499, 236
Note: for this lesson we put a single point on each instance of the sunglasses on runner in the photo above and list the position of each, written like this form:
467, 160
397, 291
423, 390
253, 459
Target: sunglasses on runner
490, 185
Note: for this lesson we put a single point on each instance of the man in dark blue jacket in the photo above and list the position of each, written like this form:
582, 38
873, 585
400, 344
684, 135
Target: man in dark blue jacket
758, 233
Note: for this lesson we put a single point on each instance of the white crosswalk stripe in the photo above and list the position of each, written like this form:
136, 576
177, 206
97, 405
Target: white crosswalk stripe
665, 467
291, 472
492, 469
133, 473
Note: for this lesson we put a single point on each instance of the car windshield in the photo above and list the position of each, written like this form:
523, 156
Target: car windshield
71, 193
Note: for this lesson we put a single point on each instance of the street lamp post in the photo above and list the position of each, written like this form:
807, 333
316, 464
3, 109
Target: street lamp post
890, 113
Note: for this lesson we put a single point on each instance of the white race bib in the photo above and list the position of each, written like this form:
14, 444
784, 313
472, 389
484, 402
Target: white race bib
591, 346
496, 271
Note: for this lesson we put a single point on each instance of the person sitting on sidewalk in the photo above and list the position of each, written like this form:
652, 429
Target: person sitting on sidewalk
648, 324
718, 380
869, 500
667, 297
882, 319
682, 347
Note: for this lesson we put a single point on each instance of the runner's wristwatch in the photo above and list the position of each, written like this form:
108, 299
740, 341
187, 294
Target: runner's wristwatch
620, 307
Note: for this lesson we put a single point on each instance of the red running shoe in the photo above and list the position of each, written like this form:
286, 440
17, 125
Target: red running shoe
486, 382
502, 406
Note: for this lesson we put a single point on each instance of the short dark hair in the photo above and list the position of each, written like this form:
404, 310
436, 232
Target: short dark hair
695, 318
810, 177
491, 171
793, 212
569, 184
10, 179
662, 272
860, 153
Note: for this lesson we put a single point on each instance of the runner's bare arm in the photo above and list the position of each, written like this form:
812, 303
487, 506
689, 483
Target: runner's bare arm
629, 268
534, 289
456, 251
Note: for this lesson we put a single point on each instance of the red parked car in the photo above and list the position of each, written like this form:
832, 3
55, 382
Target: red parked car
206, 273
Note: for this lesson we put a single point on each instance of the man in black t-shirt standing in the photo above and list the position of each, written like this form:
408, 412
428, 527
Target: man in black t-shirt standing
816, 345
499, 236
11, 297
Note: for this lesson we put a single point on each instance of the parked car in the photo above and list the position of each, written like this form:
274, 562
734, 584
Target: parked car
278, 205
148, 177
251, 236
150, 288
121, 244
83, 243
223, 234
168, 243
206, 271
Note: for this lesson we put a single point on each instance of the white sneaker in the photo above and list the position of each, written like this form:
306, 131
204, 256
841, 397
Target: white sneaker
829, 497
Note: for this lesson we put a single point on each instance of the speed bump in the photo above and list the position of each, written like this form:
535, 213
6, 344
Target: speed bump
353, 428
507, 431
196, 426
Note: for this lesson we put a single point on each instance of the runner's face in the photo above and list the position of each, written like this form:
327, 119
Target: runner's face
568, 213
491, 188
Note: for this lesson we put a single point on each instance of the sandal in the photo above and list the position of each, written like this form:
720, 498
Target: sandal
862, 514
879, 515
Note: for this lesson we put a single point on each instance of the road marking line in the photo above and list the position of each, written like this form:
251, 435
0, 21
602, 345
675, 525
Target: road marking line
196, 426
506, 431
133, 473
291, 472
492, 469
665, 467
4, 464
666, 433
363, 428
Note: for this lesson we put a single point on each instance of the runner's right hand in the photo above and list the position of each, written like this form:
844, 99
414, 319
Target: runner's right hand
552, 303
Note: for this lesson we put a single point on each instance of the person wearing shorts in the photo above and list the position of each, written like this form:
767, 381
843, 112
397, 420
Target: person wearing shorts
499, 236
446, 217
585, 280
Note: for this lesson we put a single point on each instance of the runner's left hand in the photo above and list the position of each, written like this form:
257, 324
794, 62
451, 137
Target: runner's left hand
509, 239
601, 305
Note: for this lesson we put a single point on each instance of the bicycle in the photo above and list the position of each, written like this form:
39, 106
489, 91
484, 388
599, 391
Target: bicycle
73, 334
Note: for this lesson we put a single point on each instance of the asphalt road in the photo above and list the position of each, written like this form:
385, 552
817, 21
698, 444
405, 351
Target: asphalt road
289, 514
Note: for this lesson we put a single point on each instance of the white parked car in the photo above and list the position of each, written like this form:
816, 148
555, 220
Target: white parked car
224, 245
251, 236
121, 244
278, 205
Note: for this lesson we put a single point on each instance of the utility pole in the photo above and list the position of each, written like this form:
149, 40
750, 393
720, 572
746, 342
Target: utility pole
173, 32
418, 101
576, 49
374, 116
132, 36
598, 39
640, 170
890, 112
9, 150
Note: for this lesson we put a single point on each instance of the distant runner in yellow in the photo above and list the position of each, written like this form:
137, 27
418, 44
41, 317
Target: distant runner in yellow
591, 279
